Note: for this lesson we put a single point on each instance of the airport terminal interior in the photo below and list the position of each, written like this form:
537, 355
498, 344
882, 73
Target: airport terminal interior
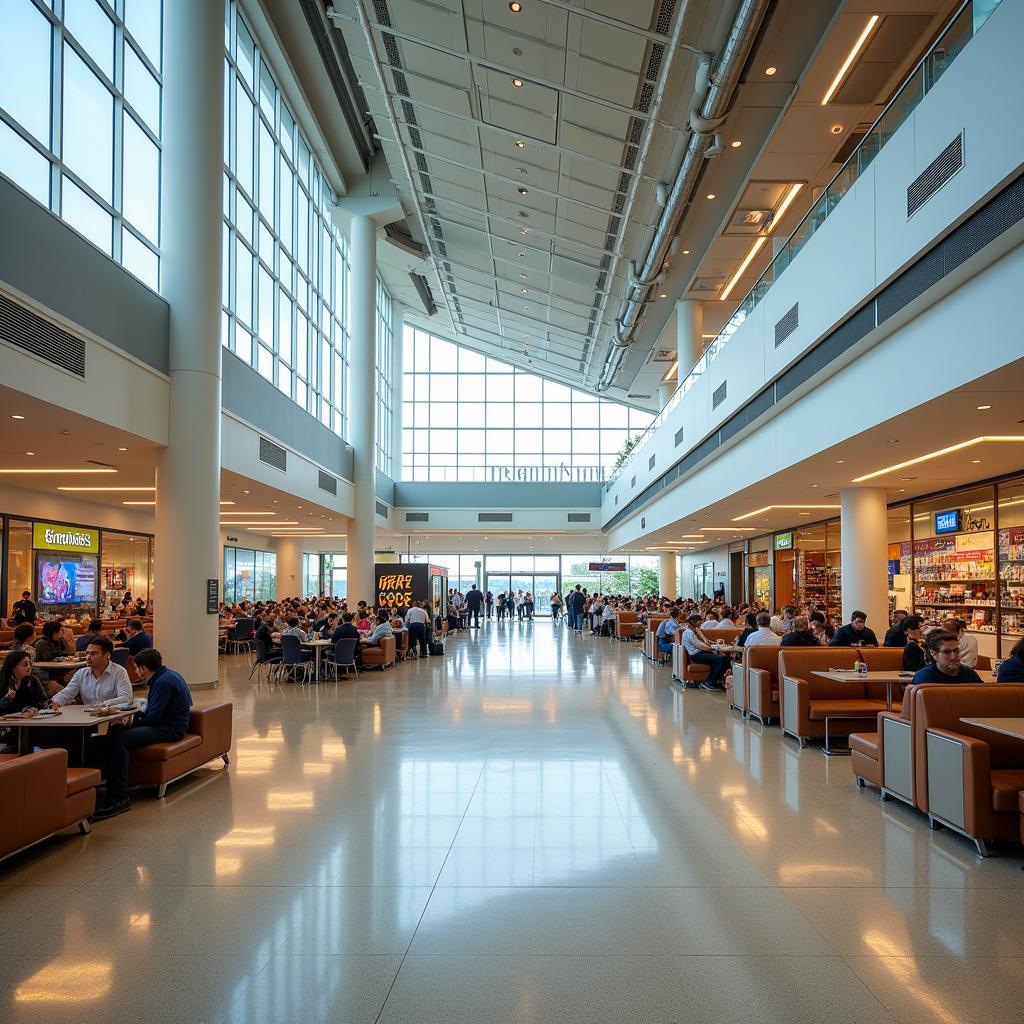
511, 512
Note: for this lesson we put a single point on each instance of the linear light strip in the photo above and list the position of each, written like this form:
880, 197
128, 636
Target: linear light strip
74, 470
936, 454
850, 58
751, 253
137, 490
768, 508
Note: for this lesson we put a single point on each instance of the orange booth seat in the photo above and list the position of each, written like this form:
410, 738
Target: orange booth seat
40, 796
755, 681
208, 737
381, 656
625, 625
687, 671
651, 651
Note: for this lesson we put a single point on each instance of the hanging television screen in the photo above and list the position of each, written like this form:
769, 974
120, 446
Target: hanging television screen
66, 581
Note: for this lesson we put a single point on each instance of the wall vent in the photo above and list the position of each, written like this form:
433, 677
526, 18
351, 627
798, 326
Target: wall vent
273, 455
579, 517
417, 517
935, 175
679, 437
719, 396
494, 517
643, 522
632, 482
26, 330
382, 509
328, 483
651, 461
788, 324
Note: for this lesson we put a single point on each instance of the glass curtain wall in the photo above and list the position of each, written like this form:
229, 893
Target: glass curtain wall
385, 392
80, 95
249, 575
467, 416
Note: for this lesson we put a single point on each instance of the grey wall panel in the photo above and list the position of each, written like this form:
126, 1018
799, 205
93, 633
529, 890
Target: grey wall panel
257, 401
384, 488
506, 495
43, 258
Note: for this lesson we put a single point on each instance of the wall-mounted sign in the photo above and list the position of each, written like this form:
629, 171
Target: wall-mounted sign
947, 522
212, 596
894, 567
607, 566
52, 537
757, 558
784, 541
394, 589
545, 474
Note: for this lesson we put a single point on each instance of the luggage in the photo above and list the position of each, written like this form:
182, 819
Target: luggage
436, 647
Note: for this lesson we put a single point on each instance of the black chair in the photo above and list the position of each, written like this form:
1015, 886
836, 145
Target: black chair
293, 657
263, 659
344, 656
121, 656
240, 636
81, 642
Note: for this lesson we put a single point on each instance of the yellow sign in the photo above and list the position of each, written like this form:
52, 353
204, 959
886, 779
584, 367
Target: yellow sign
53, 537
394, 591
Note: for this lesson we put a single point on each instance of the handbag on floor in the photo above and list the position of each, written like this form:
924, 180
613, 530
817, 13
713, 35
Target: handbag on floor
436, 647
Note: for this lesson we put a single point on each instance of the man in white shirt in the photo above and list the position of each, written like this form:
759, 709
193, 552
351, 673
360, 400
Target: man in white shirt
417, 621
382, 629
100, 682
711, 622
700, 651
763, 636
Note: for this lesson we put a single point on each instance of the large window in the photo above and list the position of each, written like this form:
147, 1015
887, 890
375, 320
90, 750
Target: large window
286, 265
249, 575
80, 91
466, 416
385, 392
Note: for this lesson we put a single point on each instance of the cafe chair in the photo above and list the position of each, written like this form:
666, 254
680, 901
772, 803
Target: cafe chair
343, 656
263, 660
293, 657
239, 637
120, 657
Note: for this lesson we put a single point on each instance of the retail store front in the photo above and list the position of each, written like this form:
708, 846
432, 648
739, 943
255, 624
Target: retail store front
73, 569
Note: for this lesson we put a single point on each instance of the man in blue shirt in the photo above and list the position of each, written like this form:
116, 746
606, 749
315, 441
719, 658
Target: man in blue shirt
666, 635
701, 652
945, 649
164, 719
855, 633
138, 640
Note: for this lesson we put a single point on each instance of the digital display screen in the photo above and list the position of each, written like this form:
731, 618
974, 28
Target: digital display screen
67, 581
947, 522
607, 566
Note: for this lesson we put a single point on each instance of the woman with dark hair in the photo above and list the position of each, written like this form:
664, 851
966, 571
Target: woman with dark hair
1012, 670
750, 626
19, 689
50, 645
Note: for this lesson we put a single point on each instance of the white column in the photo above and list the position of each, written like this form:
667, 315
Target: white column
362, 391
188, 469
865, 533
666, 389
667, 575
398, 351
689, 334
289, 568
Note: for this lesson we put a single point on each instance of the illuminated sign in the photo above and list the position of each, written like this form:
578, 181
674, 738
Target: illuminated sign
607, 566
394, 590
52, 537
947, 522
784, 541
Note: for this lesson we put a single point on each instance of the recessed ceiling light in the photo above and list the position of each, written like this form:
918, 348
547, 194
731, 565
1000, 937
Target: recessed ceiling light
663, 295
850, 58
523, 290
17, 417
736, 143
814, 485
974, 461
522, 254
520, 144
30, 453
839, 462
686, 252
515, 6
523, 191
523, 276
711, 195
769, 71
246, 492
981, 408
526, 309
517, 82
836, 129
525, 231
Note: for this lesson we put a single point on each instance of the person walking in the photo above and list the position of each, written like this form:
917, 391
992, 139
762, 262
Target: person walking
556, 607
575, 603
474, 602
489, 603
528, 602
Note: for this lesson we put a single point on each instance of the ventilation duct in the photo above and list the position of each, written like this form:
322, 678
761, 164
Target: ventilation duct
24, 329
706, 118
273, 455
419, 282
328, 483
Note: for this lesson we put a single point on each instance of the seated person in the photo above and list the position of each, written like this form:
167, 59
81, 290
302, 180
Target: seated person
164, 719
50, 645
19, 690
294, 630
701, 651
711, 622
346, 630
382, 629
894, 636
763, 636
1012, 670
855, 633
749, 628
94, 628
100, 682
266, 637
23, 636
914, 652
945, 649
136, 639
800, 635
666, 634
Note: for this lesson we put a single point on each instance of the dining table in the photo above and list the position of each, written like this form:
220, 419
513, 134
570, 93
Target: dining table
75, 716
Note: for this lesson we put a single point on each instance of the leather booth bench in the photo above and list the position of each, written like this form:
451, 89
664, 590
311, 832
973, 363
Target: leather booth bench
807, 699
625, 625
381, 656
208, 737
688, 672
651, 651
40, 796
756, 684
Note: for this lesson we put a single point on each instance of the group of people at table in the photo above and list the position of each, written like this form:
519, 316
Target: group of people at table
943, 652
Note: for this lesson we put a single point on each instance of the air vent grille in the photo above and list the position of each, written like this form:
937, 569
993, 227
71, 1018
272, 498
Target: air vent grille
28, 331
494, 517
579, 517
935, 175
273, 455
328, 483
382, 509
632, 481
417, 517
679, 437
665, 11
719, 396
651, 461
788, 324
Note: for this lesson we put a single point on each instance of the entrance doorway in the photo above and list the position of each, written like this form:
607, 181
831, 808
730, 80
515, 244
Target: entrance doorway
541, 585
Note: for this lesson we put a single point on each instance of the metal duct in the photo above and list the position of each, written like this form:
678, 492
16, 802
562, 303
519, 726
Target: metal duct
705, 119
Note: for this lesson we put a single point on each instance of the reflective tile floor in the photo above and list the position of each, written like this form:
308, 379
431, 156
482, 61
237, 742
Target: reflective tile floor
535, 828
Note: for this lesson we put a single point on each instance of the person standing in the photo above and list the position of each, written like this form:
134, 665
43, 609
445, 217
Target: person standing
528, 602
417, 622
575, 604
23, 610
556, 606
474, 602
489, 603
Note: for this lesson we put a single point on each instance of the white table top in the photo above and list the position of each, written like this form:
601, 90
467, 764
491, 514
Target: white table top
74, 716
74, 663
885, 676
1005, 726
318, 643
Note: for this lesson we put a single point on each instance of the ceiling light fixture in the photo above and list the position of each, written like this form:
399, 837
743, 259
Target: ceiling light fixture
520, 144
786, 203
836, 129
150, 490
736, 143
138, 502
523, 276
768, 508
711, 195
769, 71
15, 416
517, 82
663, 295
670, 372
751, 253
523, 191
522, 254
258, 522
850, 58
686, 252
58, 470
729, 529
936, 454
515, 6
982, 408
30, 453
122, 449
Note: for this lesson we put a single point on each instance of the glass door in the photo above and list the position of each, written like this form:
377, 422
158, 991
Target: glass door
544, 585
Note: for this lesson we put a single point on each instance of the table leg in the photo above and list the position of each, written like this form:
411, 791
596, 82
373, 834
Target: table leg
24, 742
316, 670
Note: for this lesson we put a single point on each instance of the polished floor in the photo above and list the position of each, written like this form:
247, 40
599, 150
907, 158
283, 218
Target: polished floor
535, 828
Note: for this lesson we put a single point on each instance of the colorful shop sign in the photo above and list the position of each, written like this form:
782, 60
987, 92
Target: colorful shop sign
784, 541
54, 537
